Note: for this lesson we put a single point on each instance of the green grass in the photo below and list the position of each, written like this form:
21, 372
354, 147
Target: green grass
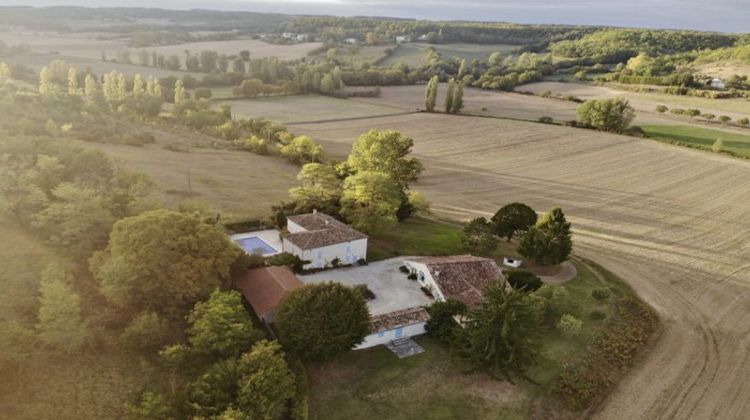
374, 384
418, 236
703, 138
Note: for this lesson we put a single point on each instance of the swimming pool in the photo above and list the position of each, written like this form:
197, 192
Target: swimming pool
256, 245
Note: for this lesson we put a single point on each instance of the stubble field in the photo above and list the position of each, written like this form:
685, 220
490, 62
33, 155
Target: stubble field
258, 49
673, 222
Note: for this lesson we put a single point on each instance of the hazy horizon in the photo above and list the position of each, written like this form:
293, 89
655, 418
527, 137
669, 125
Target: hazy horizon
720, 15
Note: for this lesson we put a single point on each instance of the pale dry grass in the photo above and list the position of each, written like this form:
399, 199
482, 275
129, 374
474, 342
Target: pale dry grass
240, 184
258, 49
673, 222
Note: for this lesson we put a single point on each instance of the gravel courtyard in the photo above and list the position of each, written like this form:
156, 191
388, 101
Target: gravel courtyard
393, 291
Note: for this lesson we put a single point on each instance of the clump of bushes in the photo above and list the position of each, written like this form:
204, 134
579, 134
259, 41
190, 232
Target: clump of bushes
524, 280
442, 324
412, 276
403, 269
600, 294
592, 375
569, 325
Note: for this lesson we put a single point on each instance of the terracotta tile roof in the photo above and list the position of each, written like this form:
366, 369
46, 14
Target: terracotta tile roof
462, 277
322, 230
264, 288
400, 318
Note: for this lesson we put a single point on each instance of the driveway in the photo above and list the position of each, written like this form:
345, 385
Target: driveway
393, 291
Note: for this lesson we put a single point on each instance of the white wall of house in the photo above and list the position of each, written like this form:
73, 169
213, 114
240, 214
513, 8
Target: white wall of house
386, 337
293, 227
425, 278
346, 252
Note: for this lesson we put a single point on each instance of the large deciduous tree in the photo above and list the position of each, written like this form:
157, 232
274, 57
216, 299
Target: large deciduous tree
612, 115
370, 201
549, 241
164, 261
320, 188
513, 218
319, 321
386, 151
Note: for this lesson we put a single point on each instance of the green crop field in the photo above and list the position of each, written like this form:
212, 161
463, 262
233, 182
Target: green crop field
702, 138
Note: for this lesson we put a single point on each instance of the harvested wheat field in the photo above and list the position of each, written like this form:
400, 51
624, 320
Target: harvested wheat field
673, 222
645, 102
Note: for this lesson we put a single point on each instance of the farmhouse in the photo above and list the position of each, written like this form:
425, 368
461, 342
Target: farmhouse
264, 288
458, 277
391, 326
718, 84
323, 241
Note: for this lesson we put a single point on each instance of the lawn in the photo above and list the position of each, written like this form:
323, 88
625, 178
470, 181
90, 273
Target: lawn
418, 236
702, 138
374, 384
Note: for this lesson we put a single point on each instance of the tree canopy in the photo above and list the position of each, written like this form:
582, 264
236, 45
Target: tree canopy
612, 115
319, 321
513, 218
164, 261
386, 151
370, 201
221, 326
478, 236
502, 334
549, 241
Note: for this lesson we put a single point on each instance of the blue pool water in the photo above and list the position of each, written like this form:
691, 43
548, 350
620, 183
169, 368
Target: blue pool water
255, 245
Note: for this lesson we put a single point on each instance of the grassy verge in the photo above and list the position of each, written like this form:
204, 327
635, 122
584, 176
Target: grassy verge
700, 138
374, 384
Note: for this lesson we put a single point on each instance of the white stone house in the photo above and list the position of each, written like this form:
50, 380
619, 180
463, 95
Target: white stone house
351, 41
401, 39
459, 277
321, 239
405, 323
718, 84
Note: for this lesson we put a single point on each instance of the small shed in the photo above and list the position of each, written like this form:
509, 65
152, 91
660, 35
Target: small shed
264, 288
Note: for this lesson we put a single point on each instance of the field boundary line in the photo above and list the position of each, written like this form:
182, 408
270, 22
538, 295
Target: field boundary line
368, 117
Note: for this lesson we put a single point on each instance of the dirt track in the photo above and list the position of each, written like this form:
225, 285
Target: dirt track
672, 222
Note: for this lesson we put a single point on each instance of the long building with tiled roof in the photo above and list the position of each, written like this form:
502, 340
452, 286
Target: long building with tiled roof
459, 277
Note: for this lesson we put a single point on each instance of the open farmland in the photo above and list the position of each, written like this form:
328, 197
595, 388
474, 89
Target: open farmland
413, 54
240, 184
304, 108
258, 49
645, 102
673, 222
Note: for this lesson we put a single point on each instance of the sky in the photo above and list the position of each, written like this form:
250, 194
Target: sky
711, 15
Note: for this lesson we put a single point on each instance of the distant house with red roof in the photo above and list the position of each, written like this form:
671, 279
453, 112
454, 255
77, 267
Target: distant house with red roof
264, 288
320, 239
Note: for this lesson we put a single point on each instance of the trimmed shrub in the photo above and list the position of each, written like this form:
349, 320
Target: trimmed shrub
600, 294
403, 269
524, 280
442, 325
546, 120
